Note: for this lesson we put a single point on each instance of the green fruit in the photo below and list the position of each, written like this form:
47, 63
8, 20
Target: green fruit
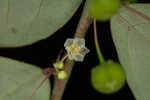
108, 78
103, 9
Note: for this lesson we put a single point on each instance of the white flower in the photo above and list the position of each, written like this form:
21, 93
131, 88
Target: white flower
76, 49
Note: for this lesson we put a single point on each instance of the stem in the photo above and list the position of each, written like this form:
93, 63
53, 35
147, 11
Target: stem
59, 85
84, 23
135, 12
99, 53
65, 57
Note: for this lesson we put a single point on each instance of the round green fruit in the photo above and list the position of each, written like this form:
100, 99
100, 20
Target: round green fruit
108, 78
102, 10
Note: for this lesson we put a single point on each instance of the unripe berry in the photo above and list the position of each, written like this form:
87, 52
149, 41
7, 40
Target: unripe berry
103, 9
108, 78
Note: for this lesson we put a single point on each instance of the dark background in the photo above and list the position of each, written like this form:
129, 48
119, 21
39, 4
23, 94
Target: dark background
44, 53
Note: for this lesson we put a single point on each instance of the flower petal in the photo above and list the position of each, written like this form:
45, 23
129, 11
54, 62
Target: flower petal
84, 51
68, 43
79, 58
80, 42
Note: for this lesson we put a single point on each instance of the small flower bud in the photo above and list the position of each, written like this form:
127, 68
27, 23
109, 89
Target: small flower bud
62, 75
59, 65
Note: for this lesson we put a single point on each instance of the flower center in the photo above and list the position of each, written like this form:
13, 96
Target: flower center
75, 50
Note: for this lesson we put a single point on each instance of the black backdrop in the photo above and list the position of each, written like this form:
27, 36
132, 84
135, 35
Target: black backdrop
44, 53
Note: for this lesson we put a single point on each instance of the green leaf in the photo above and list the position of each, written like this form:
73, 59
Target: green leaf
23, 22
131, 35
18, 80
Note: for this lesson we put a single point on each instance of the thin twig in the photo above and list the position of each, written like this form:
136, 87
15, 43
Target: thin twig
59, 55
